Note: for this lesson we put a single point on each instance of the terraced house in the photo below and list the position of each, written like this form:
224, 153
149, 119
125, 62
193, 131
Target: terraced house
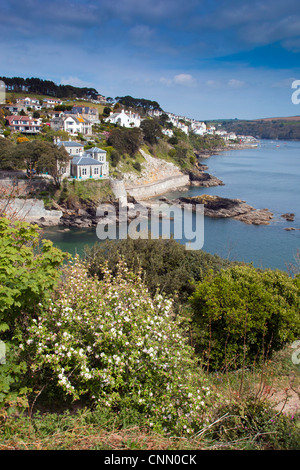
24, 124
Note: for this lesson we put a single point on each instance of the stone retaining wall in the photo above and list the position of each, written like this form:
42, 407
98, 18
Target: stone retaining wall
30, 210
146, 191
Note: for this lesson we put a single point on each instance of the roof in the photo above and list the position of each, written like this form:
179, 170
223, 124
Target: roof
85, 161
29, 120
95, 150
69, 143
77, 118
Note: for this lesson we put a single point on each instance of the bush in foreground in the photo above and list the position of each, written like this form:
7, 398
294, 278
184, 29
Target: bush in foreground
27, 275
110, 343
242, 315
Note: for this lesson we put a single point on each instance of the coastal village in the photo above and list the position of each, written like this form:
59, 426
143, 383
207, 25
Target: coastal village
81, 127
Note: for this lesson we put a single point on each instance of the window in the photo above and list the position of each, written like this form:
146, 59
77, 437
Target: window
96, 171
83, 172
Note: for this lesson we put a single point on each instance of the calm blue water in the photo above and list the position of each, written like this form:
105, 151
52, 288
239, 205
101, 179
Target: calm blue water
265, 177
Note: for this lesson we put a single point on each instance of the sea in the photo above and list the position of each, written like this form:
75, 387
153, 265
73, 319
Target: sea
266, 176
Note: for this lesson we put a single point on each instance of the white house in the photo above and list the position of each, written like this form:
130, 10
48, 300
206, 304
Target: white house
168, 132
84, 164
73, 124
51, 102
125, 119
198, 127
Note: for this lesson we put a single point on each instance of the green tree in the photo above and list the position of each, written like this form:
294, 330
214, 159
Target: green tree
27, 278
167, 266
106, 111
43, 156
115, 158
126, 140
243, 314
151, 130
7, 160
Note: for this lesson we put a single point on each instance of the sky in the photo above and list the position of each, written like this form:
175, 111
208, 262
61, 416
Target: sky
201, 59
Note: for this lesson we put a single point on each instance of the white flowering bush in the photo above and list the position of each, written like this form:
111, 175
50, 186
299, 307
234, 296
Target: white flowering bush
111, 343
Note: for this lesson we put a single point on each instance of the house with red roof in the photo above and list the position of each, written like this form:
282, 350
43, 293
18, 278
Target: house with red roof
24, 124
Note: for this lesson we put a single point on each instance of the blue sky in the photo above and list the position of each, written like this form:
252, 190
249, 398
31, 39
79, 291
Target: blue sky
201, 59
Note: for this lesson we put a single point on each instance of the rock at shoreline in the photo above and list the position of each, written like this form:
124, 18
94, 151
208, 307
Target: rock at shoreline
289, 217
205, 180
216, 206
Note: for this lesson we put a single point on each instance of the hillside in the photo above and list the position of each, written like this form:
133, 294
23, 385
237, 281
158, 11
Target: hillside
289, 118
267, 128
47, 87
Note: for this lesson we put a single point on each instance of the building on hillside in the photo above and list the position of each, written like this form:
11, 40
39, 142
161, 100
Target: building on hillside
124, 119
84, 164
54, 114
71, 123
230, 136
91, 114
198, 127
28, 101
25, 103
85, 167
211, 130
73, 148
51, 102
168, 132
154, 112
101, 99
24, 124
16, 108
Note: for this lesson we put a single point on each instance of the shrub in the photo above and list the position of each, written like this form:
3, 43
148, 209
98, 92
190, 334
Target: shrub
255, 424
137, 166
26, 278
243, 314
110, 343
166, 265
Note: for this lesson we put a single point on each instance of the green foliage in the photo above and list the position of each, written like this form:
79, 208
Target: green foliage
137, 166
173, 140
89, 193
151, 130
47, 87
256, 425
138, 103
106, 111
7, 162
269, 129
42, 156
166, 265
243, 314
205, 142
27, 277
125, 140
115, 158
112, 344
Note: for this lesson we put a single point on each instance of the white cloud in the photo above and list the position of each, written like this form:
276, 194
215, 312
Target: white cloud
285, 82
213, 83
184, 79
75, 81
233, 83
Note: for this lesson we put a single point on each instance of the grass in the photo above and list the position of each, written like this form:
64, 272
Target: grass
92, 192
11, 96
241, 419
126, 164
